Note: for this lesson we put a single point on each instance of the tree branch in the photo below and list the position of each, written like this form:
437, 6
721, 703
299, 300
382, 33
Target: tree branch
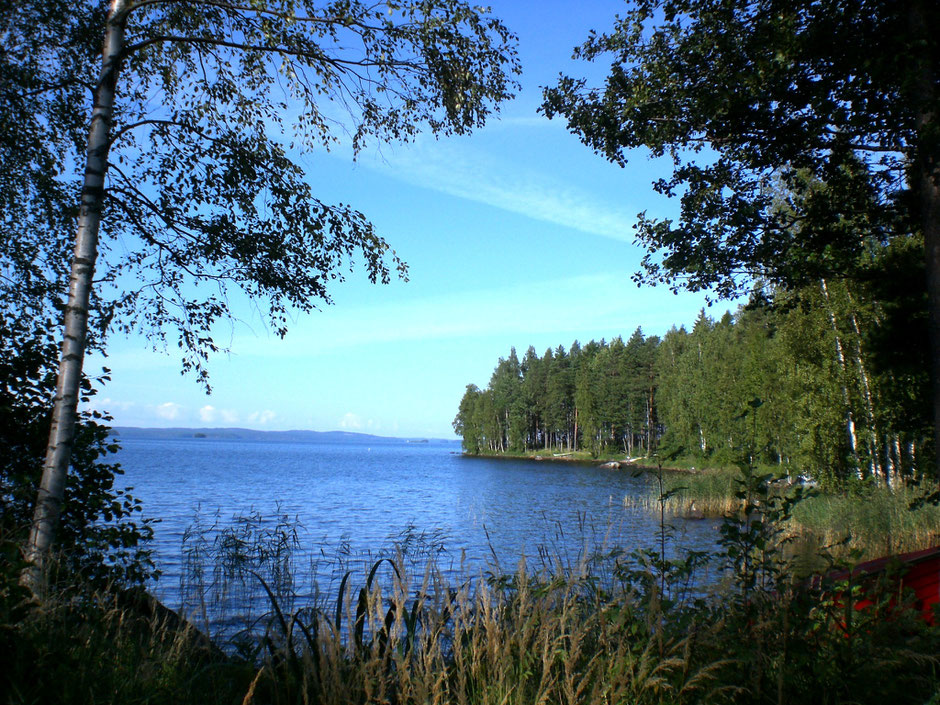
342, 64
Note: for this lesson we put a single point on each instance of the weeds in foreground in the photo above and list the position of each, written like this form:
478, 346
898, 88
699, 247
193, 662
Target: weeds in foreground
105, 647
623, 628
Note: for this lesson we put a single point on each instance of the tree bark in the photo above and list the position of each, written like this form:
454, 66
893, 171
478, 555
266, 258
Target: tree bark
925, 178
840, 357
65, 409
874, 437
575, 445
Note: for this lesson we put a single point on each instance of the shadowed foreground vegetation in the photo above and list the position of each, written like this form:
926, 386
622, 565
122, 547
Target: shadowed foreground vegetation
617, 628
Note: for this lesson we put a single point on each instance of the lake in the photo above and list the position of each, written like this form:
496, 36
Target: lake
358, 498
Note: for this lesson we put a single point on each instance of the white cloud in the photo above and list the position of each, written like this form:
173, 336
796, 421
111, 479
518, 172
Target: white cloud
261, 417
350, 422
209, 414
168, 410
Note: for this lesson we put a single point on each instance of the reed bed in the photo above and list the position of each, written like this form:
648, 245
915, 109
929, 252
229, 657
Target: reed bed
873, 522
690, 493
623, 628
521, 640
865, 522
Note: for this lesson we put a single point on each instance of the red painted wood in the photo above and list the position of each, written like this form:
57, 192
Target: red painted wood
918, 571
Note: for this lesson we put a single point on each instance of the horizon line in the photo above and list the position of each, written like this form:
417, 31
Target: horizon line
270, 430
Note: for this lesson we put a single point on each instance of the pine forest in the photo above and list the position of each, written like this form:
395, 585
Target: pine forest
826, 382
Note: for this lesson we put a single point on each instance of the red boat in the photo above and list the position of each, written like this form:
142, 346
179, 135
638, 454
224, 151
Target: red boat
917, 572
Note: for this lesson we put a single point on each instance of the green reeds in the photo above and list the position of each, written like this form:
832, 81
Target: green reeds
692, 493
866, 521
548, 639
612, 629
874, 521
518, 639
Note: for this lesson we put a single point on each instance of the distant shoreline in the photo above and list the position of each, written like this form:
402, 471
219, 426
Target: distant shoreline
577, 457
249, 434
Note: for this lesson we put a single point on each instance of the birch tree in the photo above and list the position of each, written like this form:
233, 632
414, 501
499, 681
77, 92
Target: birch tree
190, 185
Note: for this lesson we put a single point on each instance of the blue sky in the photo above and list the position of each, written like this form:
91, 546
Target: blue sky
517, 235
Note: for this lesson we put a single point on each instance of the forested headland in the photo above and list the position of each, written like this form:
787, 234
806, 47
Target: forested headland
829, 382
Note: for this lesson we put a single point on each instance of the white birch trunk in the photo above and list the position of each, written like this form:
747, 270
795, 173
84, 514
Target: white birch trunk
874, 436
896, 462
840, 356
65, 409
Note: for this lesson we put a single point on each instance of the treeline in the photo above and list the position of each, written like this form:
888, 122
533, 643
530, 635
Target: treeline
825, 381
565, 398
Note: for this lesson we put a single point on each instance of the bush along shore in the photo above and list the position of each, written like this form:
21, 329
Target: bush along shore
618, 628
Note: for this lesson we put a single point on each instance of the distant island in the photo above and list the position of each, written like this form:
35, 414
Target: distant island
249, 434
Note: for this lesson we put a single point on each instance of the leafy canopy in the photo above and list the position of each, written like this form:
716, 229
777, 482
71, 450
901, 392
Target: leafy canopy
216, 99
759, 103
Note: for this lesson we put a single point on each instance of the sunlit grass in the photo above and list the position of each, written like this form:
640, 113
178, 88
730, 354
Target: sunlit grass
618, 627
693, 494
866, 521
876, 521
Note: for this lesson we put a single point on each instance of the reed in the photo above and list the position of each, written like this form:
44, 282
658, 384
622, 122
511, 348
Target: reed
550, 639
690, 493
515, 639
872, 521
865, 521
615, 628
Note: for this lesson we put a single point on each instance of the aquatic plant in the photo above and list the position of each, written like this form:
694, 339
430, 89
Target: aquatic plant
618, 627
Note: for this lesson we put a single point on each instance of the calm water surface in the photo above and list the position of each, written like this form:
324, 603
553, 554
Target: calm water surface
359, 497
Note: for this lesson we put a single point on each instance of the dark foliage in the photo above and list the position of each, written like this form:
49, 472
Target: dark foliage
102, 537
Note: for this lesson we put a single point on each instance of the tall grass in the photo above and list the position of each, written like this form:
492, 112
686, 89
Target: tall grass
621, 628
865, 521
873, 521
691, 493
108, 647
524, 639
617, 628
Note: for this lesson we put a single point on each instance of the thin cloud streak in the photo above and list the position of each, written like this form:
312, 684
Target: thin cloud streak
500, 183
